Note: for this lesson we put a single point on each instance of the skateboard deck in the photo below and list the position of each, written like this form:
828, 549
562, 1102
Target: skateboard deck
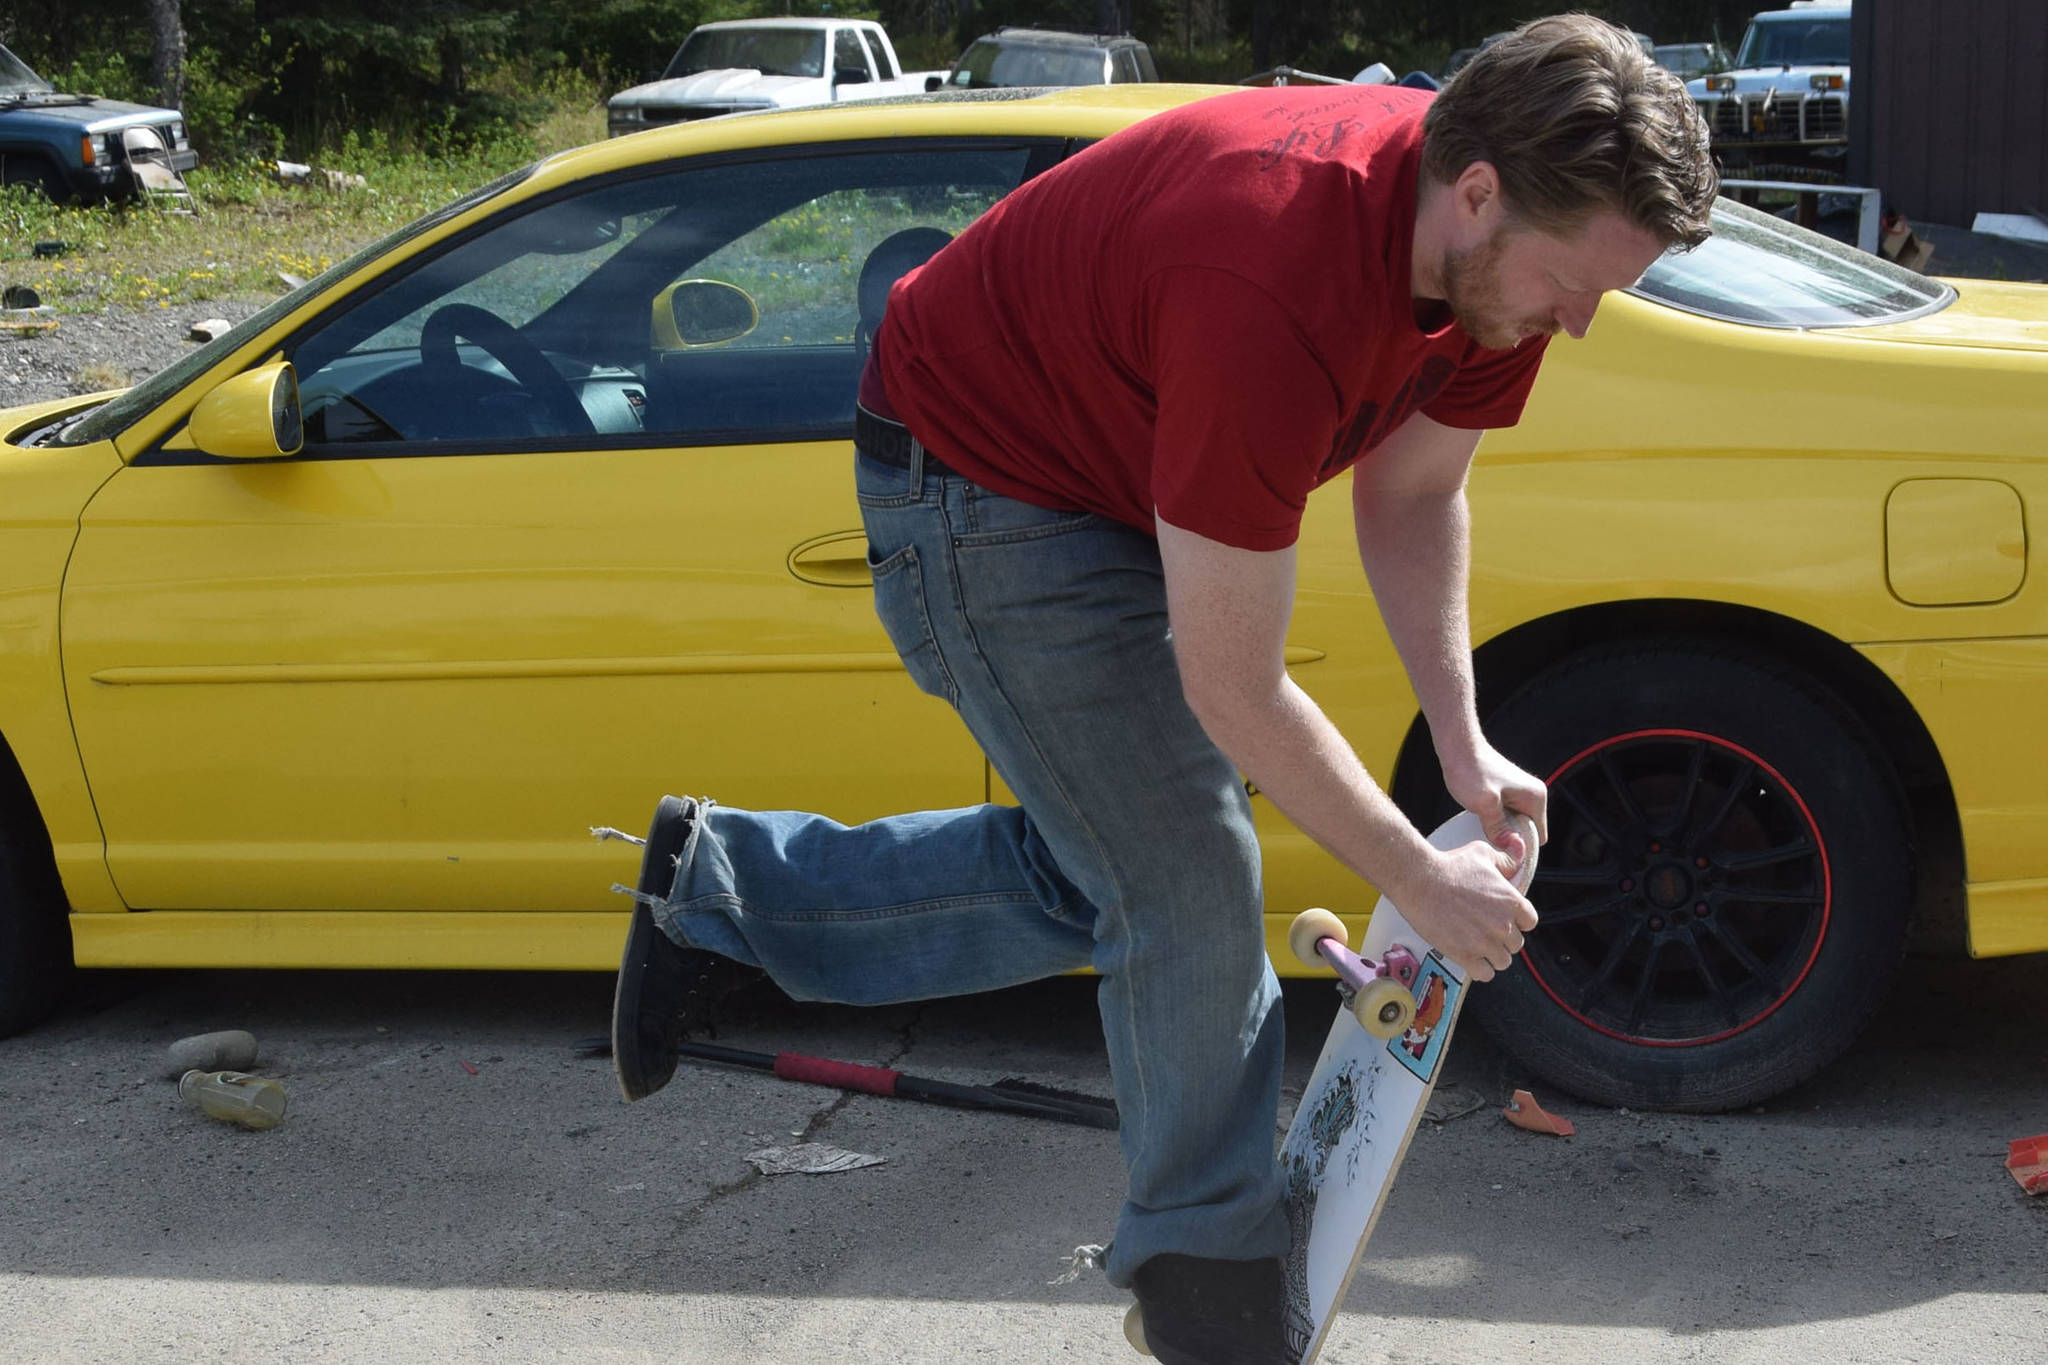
1362, 1105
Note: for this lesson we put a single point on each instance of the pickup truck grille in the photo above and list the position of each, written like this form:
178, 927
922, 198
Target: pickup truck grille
1777, 117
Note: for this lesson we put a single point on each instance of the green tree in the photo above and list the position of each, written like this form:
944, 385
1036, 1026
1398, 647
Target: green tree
294, 77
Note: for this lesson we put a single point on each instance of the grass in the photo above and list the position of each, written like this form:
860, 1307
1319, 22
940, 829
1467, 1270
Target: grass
251, 229
99, 375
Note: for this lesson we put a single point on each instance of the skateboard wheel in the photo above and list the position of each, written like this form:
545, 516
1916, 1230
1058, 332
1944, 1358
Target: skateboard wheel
1384, 1008
1308, 928
1134, 1330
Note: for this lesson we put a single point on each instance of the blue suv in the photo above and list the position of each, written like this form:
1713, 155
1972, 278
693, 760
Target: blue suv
84, 147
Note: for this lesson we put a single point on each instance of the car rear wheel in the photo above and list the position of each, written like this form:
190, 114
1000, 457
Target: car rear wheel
1725, 892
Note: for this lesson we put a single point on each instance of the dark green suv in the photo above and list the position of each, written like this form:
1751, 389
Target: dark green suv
81, 146
1039, 56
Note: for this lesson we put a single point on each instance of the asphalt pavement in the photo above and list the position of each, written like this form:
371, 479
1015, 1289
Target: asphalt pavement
455, 1181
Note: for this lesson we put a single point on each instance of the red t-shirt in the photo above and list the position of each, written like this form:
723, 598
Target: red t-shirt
1205, 317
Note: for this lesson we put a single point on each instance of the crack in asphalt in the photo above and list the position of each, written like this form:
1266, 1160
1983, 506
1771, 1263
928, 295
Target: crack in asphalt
819, 1121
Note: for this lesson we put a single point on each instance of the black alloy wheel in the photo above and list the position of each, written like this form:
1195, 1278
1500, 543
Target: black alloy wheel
1724, 895
1685, 893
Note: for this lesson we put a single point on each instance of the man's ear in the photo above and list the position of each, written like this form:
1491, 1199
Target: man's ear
1476, 198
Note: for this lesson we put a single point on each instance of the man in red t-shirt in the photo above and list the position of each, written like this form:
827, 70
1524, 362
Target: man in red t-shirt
1087, 434
1120, 338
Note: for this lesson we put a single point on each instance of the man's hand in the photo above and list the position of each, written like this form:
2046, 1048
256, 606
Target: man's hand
1483, 781
1468, 907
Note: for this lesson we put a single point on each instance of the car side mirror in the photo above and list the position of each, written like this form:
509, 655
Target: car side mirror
253, 416
692, 313
932, 83
850, 75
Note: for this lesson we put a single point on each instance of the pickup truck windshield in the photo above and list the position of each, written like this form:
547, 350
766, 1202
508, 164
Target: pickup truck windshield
770, 51
1796, 42
1761, 270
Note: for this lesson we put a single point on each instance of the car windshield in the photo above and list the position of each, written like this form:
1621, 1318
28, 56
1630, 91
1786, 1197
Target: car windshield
988, 63
1796, 42
1686, 59
16, 78
1766, 272
771, 51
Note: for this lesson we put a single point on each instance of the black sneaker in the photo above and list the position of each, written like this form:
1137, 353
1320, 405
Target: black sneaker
666, 990
1199, 1311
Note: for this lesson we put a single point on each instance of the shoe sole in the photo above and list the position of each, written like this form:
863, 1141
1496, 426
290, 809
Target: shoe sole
666, 835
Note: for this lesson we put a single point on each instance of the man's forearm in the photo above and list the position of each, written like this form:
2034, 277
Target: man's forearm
1416, 551
1229, 612
1290, 750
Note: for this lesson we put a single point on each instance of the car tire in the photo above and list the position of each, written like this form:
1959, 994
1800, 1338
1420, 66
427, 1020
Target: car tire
1725, 892
35, 934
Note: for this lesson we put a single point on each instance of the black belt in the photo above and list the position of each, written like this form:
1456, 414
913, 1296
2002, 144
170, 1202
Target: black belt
889, 442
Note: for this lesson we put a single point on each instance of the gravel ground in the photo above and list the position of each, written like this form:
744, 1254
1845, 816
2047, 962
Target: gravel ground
86, 352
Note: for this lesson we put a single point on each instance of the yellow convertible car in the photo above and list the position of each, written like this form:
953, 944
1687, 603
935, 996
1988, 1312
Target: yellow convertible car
327, 645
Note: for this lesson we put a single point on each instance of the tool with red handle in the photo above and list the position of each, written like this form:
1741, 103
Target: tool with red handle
1009, 1095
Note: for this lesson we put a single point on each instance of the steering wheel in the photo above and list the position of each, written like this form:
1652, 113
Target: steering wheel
504, 345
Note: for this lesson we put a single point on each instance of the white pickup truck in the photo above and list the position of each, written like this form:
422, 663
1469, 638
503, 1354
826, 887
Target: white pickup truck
742, 64
1782, 111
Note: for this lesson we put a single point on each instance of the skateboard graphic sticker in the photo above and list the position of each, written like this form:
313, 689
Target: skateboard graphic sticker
1421, 1046
1321, 1156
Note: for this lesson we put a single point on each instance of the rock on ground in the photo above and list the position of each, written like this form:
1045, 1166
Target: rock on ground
110, 349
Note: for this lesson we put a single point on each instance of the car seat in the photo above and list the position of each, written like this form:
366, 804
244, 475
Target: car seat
893, 257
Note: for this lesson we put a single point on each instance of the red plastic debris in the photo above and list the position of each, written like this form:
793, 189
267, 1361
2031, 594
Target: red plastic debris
470, 1069
1524, 1112
2027, 1159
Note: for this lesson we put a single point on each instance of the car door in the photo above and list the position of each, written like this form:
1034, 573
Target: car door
546, 555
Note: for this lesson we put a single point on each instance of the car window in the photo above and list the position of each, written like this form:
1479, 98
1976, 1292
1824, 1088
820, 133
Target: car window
802, 267
882, 70
988, 63
16, 78
1686, 59
556, 324
1764, 271
848, 54
118, 414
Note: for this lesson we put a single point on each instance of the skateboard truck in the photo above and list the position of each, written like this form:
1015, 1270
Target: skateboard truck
1381, 994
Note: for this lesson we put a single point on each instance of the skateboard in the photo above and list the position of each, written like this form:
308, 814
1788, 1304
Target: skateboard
1366, 1094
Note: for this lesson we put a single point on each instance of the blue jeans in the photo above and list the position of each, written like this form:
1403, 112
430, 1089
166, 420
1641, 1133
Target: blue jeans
1133, 851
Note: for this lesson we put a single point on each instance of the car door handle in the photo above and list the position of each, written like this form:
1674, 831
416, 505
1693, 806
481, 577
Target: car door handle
838, 560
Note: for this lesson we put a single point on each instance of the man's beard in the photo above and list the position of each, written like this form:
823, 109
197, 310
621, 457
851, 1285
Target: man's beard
1472, 289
